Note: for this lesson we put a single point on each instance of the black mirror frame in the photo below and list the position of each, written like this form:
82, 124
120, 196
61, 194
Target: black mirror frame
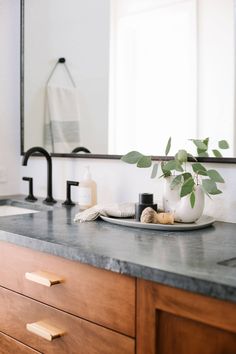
229, 160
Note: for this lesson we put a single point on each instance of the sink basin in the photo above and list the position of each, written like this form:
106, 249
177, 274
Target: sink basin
18, 206
7, 210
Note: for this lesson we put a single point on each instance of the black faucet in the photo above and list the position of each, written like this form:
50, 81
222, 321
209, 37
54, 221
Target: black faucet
49, 199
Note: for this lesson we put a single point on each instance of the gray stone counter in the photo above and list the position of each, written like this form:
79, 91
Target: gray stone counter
188, 260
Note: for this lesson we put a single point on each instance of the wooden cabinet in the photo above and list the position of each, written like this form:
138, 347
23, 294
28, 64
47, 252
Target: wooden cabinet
173, 321
9, 345
66, 307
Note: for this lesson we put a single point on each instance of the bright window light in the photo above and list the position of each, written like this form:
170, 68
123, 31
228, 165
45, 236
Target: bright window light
153, 74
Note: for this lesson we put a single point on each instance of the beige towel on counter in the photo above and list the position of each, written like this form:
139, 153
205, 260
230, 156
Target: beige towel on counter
124, 210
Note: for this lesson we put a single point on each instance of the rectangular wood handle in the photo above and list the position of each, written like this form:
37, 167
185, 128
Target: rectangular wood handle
43, 278
44, 330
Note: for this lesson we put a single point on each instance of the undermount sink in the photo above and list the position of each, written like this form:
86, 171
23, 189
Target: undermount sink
7, 210
16, 206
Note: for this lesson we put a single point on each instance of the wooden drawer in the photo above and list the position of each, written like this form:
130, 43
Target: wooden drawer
9, 345
95, 294
79, 336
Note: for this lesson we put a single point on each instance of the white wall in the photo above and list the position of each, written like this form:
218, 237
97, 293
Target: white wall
116, 180
9, 95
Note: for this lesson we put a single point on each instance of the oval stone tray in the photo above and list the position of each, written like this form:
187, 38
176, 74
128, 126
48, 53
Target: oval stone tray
201, 223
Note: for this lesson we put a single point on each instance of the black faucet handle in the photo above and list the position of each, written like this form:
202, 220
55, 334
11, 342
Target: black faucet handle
30, 197
68, 200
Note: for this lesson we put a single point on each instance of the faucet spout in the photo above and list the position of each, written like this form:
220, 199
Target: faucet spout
38, 149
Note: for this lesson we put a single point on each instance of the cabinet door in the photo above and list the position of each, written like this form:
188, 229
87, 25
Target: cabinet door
9, 345
172, 321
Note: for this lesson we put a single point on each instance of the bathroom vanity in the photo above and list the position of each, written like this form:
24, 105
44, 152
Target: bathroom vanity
98, 288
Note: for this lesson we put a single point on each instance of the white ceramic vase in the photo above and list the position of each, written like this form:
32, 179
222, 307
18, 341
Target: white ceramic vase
181, 207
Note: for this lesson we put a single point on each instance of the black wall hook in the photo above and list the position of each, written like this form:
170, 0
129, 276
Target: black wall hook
61, 61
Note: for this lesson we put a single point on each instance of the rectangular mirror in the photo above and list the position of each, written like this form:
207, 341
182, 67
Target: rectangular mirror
108, 76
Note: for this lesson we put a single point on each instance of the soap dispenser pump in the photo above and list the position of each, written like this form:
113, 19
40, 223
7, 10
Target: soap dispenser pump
87, 191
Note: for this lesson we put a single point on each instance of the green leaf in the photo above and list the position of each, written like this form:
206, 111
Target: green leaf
192, 199
199, 169
206, 141
170, 165
154, 170
217, 153
173, 165
210, 187
215, 176
202, 149
187, 187
186, 175
132, 157
144, 162
182, 156
192, 157
223, 144
199, 144
178, 166
166, 172
202, 153
176, 181
168, 146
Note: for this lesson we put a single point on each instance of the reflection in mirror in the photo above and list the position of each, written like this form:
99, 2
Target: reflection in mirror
135, 73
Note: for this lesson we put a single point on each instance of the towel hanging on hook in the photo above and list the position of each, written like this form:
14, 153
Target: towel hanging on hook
61, 61
61, 115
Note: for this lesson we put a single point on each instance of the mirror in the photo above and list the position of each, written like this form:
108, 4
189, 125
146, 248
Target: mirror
110, 76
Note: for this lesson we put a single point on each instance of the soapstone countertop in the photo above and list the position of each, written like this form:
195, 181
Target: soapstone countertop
188, 259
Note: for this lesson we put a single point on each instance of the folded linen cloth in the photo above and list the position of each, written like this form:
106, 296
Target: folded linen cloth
124, 210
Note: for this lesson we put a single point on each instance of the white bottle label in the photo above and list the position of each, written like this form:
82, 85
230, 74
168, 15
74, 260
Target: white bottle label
85, 196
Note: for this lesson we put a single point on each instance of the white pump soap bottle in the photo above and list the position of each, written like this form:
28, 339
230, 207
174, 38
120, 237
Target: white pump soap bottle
87, 191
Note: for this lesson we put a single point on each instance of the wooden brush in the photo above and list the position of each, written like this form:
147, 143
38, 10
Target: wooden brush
150, 216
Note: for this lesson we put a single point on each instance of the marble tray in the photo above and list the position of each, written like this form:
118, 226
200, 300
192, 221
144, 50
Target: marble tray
201, 223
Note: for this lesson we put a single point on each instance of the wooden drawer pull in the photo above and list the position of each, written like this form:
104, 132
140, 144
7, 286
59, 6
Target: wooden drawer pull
43, 278
44, 330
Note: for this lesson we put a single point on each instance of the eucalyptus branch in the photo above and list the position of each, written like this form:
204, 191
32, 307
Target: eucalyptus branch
177, 167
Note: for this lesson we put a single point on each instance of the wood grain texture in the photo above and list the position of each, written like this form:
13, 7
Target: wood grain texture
79, 336
175, 334
9, 345
171, 321
95, 294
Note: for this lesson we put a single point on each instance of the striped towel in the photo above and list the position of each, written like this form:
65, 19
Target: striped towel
61, 130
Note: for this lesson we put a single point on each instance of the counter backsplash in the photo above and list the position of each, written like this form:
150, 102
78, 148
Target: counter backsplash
118, 182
